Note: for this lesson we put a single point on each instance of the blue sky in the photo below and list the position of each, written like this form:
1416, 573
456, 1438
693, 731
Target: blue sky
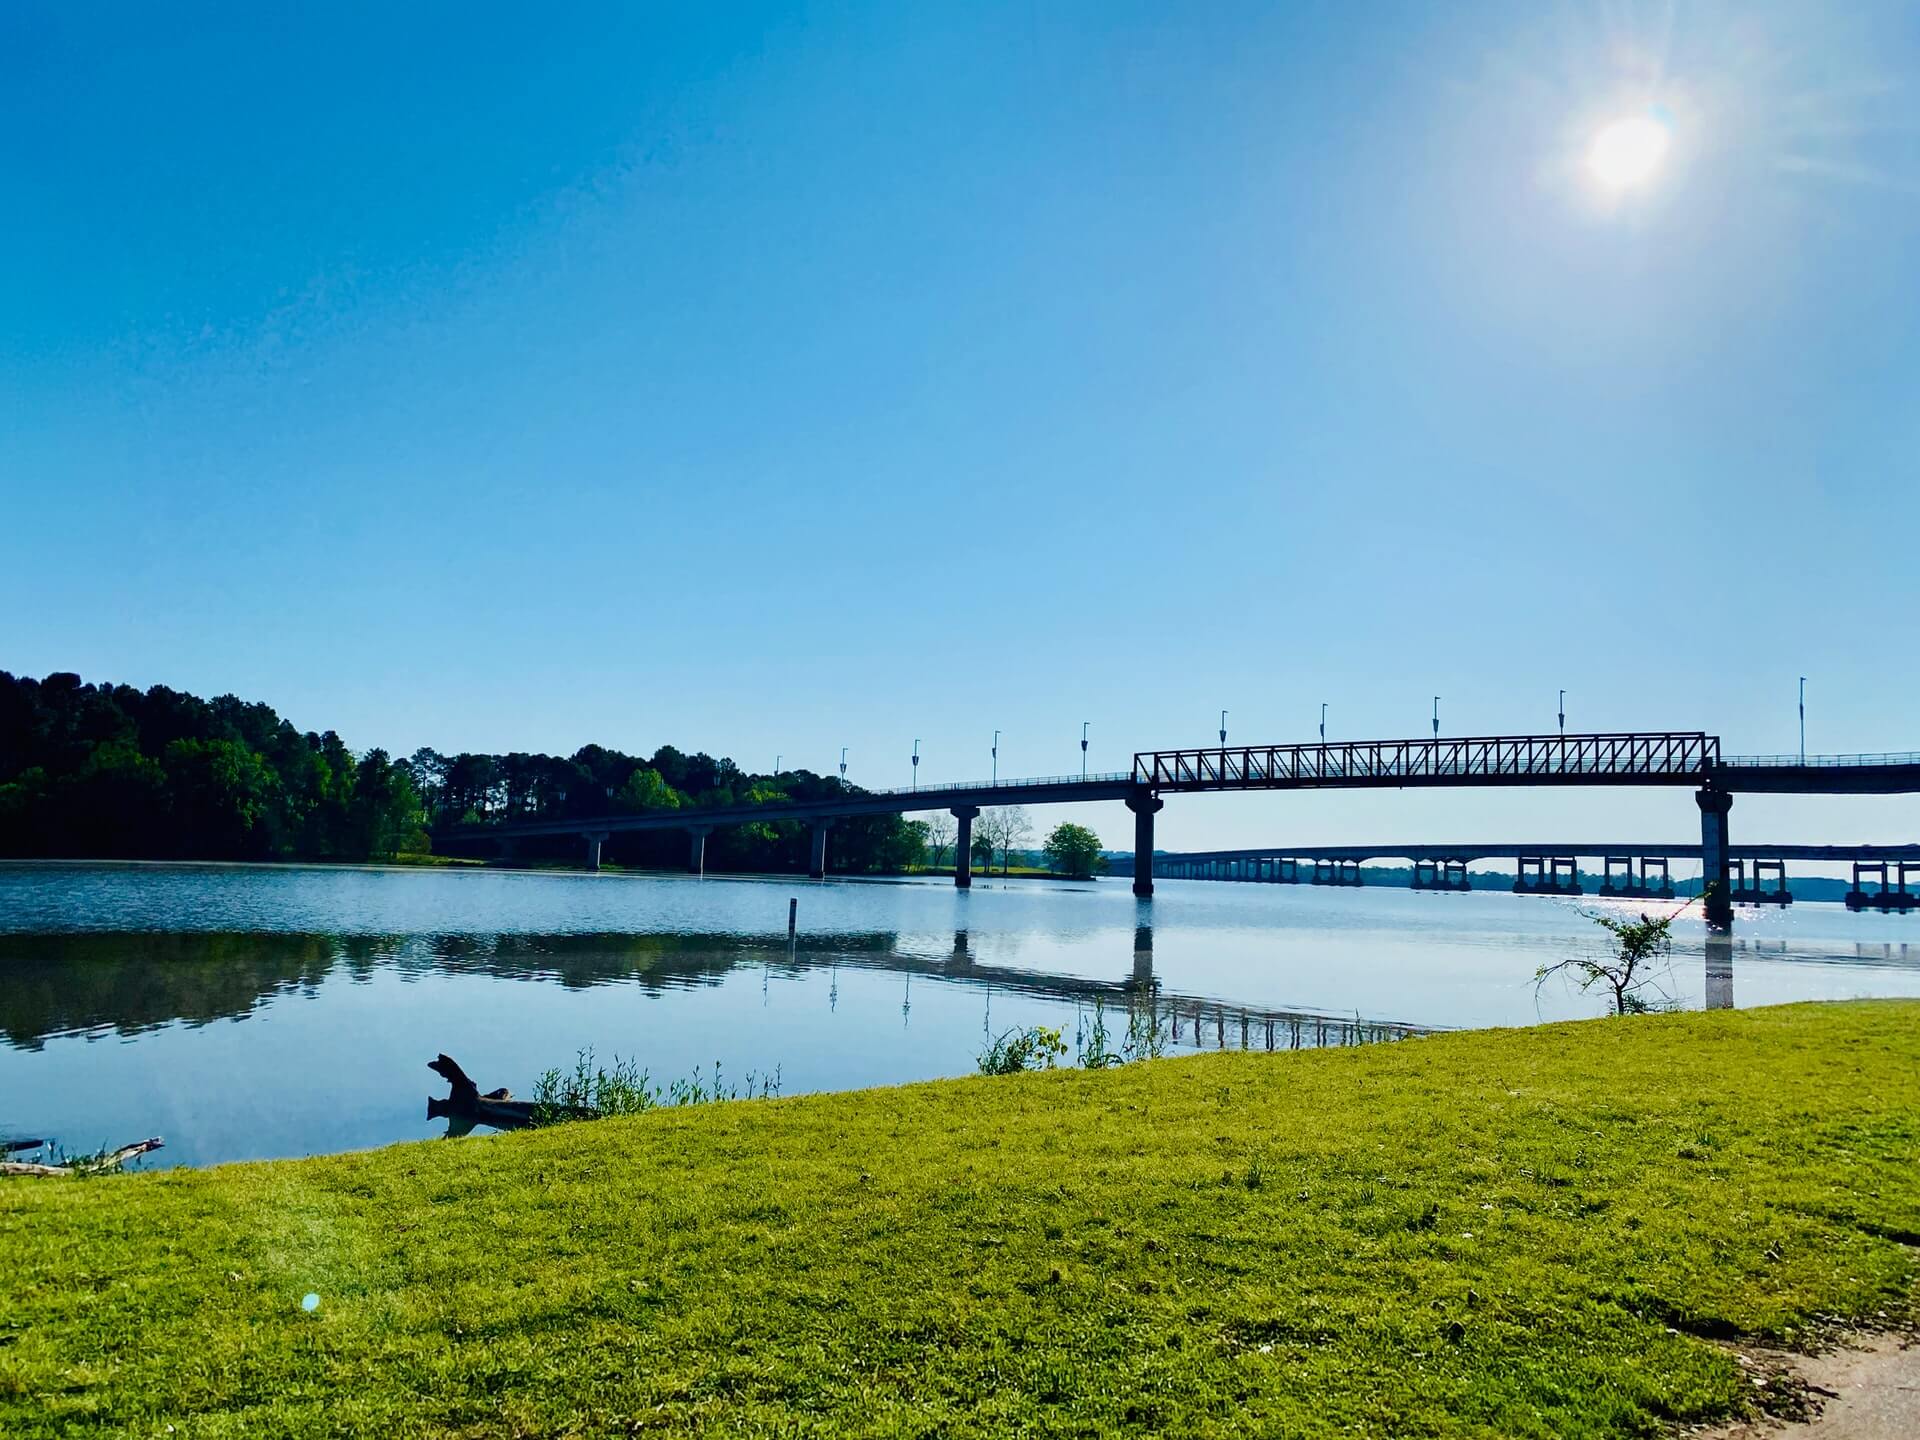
779, 379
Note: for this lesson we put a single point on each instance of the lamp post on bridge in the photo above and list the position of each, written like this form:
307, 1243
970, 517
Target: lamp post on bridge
1223, 729
1083, 748
1323, 722
1563, 713
843, 767
996, 757
1803, 719
1436, 717
916, 764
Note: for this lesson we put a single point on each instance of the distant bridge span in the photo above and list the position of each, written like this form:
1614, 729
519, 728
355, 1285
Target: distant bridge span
1756, 874
1508, 849
1689, 758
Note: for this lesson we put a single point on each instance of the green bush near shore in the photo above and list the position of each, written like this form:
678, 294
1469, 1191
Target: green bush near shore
1537, 1232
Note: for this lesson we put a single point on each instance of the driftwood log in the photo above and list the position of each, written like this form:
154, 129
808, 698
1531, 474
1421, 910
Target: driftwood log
111, 1161
466, 1107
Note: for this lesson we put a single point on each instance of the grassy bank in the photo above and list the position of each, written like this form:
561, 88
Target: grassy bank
1530, 1233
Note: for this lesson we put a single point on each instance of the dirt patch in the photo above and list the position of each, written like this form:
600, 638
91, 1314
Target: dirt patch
1869, 1390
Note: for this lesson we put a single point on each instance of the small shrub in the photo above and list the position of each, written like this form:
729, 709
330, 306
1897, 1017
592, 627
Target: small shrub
1639, 946
1035, 1048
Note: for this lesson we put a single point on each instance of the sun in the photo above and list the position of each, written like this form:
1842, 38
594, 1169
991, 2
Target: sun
1627, 153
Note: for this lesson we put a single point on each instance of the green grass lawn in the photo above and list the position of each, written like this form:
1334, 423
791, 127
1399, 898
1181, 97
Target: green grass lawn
1529, 1233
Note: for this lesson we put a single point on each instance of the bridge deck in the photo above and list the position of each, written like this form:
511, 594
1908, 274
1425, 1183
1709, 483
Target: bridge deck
1507, 850
1668, 757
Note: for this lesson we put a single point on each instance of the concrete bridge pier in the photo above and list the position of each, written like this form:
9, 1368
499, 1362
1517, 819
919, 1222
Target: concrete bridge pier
595, 839
963, 846
1546, 875
697, 849
1756, 892
817, 857
1144, 808
1715, 878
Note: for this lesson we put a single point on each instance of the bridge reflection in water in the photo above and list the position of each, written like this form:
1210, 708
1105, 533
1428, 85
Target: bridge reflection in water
1719, 971
132, 983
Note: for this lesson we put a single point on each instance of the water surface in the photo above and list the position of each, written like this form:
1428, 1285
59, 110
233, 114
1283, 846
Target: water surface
252, 1011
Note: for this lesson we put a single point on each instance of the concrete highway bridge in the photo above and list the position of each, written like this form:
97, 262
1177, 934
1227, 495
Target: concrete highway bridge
1885, 877
1676, 759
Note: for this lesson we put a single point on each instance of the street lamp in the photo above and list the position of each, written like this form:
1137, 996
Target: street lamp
1563, 713
1223, 728
1436, 717
1083, 748
776, 765
843, 767
1323, 722
916, 764
996, 757
1803, 719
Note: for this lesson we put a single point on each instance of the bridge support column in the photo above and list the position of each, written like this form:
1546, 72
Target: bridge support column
817, 856
1144, 808
963, 846
595, 839
1715, 879
697, 849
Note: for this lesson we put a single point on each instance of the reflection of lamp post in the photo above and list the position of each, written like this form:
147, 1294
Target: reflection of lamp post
1323, 722
996, 757
1803, 719
1083, 748
1563, 713
1436, 717
1223, 728
916, 764
843, 767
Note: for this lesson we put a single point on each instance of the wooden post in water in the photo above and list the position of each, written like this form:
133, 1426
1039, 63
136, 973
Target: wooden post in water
793, 913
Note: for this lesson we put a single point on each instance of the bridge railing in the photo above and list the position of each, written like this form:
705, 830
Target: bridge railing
1664, 756
1811, 762
1104, 777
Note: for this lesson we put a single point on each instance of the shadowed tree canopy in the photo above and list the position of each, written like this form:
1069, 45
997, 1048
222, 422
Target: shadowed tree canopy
109, 771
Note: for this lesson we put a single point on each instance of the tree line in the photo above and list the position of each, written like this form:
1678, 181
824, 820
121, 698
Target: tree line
109, 771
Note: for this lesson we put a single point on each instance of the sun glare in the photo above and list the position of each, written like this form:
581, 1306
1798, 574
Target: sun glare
1627, 152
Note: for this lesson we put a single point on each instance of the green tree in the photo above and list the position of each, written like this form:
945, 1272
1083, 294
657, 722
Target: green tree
1073, 850
385, 817
223, 795
906, 846
647, 789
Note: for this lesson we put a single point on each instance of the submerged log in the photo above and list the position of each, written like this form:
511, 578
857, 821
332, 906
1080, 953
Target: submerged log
466, 1105
85, 1166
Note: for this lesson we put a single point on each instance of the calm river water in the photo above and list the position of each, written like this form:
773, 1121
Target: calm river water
250, 1011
